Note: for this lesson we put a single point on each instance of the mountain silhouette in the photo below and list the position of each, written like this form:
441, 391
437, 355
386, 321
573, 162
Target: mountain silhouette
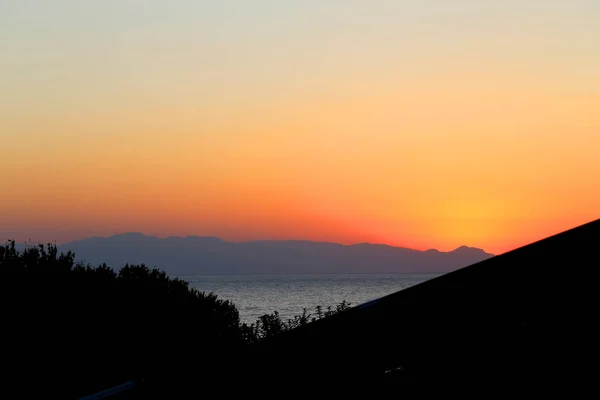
191, 255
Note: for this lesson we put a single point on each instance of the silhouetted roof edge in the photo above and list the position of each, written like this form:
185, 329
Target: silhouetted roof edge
583, 230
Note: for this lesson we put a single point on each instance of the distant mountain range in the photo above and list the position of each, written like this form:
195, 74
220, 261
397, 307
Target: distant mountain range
180, 256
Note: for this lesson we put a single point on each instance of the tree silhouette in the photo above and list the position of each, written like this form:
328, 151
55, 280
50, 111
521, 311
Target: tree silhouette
75, 329
104, 327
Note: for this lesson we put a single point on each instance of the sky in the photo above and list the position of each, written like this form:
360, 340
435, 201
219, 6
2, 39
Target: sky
423, 124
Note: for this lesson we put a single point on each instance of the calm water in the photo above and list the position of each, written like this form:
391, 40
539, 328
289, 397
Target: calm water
255, 295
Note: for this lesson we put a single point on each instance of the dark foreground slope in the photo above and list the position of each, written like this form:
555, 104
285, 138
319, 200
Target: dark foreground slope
523, 320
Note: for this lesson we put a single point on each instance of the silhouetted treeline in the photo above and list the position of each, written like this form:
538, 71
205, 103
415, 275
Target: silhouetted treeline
73, 328
269, 325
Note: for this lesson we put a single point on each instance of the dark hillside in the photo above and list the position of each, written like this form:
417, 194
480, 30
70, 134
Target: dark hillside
521, 320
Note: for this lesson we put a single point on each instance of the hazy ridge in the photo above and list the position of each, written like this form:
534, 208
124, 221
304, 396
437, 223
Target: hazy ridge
209, 255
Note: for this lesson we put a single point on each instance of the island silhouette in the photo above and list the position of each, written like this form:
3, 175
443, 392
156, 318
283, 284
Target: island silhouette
181, 256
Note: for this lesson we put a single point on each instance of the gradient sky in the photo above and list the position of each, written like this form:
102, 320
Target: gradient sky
414, 123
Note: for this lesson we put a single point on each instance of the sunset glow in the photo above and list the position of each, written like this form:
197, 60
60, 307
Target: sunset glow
410, 123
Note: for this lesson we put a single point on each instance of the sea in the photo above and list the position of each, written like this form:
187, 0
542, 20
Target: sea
256, 295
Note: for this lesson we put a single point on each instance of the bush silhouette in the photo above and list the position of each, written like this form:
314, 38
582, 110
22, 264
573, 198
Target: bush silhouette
79, 323
269, 325
75, 329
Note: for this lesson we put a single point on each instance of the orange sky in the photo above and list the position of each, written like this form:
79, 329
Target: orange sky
404, 126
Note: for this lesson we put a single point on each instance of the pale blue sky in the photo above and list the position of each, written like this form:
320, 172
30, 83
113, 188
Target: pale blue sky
165, 46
